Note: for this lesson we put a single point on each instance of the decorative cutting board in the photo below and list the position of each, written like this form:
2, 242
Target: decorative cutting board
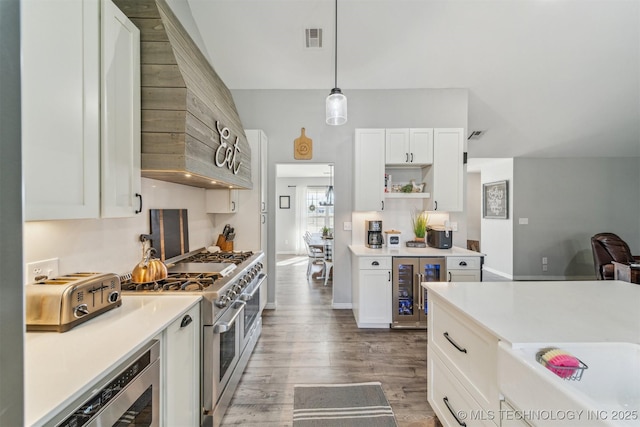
302, 147
169, 232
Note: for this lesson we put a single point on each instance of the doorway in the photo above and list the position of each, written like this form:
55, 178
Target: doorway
304, 204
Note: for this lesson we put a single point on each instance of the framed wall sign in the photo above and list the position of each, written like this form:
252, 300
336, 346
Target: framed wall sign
495, 200
285, 202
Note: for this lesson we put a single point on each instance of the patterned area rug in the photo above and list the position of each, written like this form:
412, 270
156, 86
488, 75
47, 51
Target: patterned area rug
325, 405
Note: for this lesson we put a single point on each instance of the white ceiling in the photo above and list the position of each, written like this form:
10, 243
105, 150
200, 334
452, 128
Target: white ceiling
545, 77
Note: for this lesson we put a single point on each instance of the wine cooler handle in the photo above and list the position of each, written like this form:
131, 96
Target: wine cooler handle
389, 276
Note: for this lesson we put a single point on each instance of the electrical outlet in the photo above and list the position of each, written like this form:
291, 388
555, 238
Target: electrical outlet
544, 260
544, 267
48, 267
346, 226
454, 226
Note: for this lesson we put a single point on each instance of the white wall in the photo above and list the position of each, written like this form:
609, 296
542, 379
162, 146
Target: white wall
281, 114
112, 245
496, 239
567, 201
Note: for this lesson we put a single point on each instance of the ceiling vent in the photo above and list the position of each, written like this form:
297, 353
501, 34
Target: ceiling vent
313, 38
476, 134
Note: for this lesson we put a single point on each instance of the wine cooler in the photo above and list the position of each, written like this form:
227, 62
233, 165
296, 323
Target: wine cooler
409, 298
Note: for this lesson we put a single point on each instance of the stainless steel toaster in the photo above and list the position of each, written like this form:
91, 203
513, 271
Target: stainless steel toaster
63, 302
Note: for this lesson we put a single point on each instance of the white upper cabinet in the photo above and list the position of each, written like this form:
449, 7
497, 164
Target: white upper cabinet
369, 150
222, 201
60, 108
409, 147
448, 156
120, 114
80, 110
259, 170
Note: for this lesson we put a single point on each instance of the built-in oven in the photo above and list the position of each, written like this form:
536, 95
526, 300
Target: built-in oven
252, 309
222, 346
130, 396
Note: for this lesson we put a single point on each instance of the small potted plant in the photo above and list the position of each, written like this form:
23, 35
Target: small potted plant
419, 221
325, 231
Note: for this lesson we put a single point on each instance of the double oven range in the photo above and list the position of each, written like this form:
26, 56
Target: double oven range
233, 290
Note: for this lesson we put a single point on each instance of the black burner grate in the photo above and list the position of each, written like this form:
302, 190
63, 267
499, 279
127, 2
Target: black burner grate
175, 282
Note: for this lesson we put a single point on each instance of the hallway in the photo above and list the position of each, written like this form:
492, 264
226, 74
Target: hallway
306, 341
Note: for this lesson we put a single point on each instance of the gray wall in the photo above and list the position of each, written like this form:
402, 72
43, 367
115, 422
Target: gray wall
474, 206
11, 295
281, 114
567, 201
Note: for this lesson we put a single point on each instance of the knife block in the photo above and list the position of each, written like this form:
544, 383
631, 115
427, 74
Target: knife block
224, 244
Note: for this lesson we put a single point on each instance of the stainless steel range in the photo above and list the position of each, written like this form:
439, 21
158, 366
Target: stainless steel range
233, 298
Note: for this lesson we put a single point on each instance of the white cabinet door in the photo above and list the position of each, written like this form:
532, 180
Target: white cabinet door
182, 370
120, 114
421, 144
375, 297
409, 147
448, 153
369, 151
221, 201
61, 108
397, 149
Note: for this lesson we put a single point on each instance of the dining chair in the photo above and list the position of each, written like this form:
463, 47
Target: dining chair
316, 257
328, 261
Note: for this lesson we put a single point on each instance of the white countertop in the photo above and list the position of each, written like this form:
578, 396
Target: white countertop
549, 312
362, 250
61, 367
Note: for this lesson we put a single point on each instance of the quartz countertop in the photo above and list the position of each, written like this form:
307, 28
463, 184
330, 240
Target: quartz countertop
549, 312
61, 367
362, 250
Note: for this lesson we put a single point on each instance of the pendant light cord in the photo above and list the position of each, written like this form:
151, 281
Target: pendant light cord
336, 48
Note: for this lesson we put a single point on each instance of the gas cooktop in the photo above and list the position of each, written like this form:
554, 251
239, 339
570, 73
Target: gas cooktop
201, 271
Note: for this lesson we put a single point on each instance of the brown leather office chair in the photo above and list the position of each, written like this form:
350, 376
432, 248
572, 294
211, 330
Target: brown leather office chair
608, 247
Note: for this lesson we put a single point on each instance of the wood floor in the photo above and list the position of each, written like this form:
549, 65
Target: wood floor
306, 341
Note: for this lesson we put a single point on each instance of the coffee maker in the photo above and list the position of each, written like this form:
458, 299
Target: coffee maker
373, 233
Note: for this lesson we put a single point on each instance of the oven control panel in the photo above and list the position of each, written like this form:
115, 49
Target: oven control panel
239, 286
100, 398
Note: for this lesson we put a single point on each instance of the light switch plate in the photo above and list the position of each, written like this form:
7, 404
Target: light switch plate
523, 221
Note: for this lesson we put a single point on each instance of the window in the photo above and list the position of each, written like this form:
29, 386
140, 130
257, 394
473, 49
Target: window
319, 212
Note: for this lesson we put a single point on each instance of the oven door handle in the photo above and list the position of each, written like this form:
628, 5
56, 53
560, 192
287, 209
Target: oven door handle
249, 296
228, 318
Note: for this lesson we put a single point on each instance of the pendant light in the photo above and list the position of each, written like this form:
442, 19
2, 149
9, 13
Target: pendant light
336, 104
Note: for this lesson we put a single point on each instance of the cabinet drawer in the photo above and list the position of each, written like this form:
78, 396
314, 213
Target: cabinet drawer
468, 350
448, 396
463, 263
375, 263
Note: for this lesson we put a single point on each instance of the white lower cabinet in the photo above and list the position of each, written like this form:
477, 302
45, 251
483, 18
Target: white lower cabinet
181, 384
463, 269
372, 291
462, 367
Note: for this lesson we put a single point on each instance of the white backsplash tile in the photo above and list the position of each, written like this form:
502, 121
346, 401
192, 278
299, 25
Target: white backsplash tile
112, 245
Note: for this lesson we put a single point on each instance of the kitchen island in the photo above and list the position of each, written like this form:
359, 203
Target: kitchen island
62, 367
483, 338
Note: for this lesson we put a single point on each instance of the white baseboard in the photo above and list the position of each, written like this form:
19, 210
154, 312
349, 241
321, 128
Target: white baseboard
341, 305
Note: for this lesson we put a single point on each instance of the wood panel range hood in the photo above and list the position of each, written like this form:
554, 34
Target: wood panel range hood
191, 131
